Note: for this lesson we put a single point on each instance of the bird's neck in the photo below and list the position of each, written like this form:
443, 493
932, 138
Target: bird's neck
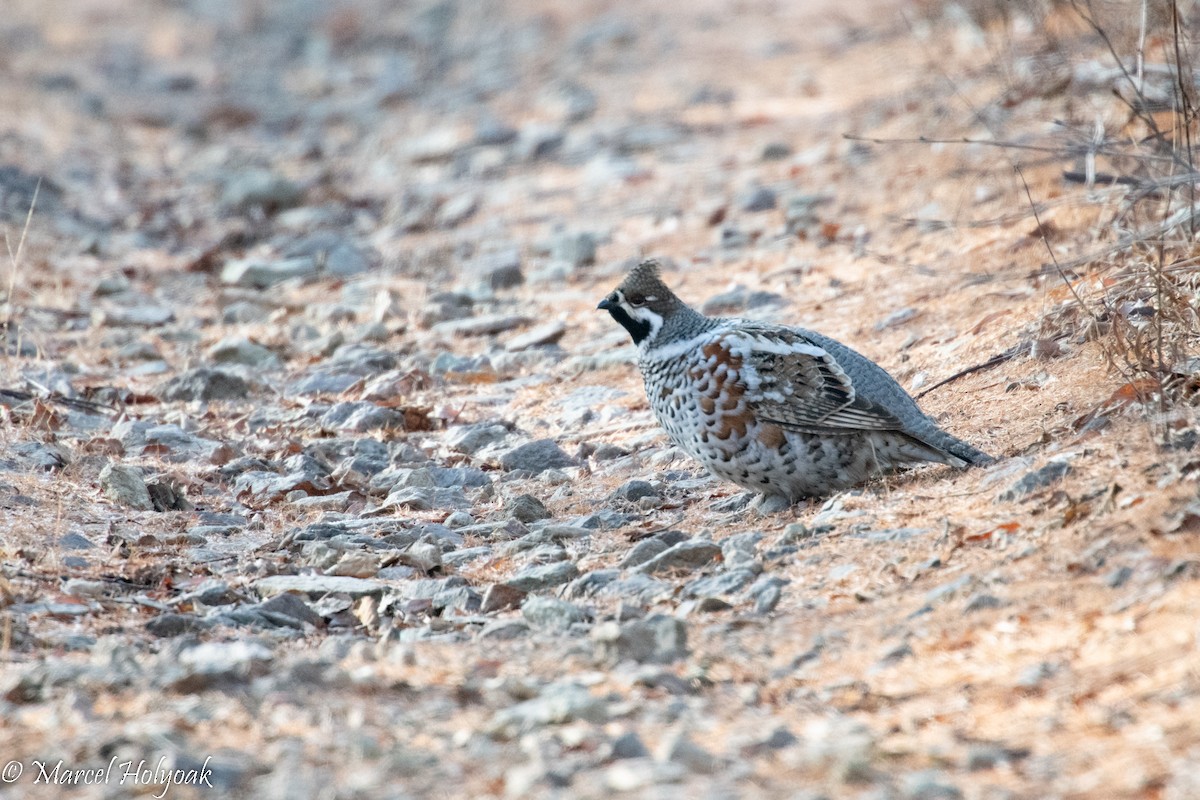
676, 335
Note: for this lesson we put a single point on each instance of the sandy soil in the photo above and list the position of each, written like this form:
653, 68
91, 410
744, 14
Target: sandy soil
935, 637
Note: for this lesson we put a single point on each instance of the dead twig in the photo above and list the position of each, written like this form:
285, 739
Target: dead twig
994, 361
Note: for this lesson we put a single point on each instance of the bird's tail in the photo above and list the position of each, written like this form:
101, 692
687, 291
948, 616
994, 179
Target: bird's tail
942, 448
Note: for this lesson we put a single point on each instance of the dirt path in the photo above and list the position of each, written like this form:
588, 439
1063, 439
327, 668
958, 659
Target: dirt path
322, 473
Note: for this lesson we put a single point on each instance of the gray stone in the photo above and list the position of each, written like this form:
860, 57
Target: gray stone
139, 351
317, 585
485, 325
211, 592
555, 705
415, 211
441, 477
634, 774
989, 755
322, 382
778, 739
459, 519
362, 359
543, 576
526, 508
550, 614
720, 585
632, 491
166, 495
575, 250
897, 654
647, 138
212, 664
1118, 577
628, 745
647, 549
730, 237
759, 199
240, 350
606, 519
767, 592
841, 744
205, 384
165, 441
1035, 674
169, 625
290, 607
536, 141
434, 146
501, 596
690, 555
591, 584
542, 335
658, 639
257, 273
948, 589
929, 785
456, 210
637, 588
41, 455
504, 629
445, 306
491, 131
332, 254
546, 539
361, 416
125, 485
115, 284
470, 439
983, 601
740, 299
537, 457
573, 102
268, 486
357, 470
678, 748
141, 314
75, 541
776, 151
499, 269
800, 215
243, 311
427, 499
398, 79
1034, 482
259, 188
464, 369
425, 556
541, 541
897, 318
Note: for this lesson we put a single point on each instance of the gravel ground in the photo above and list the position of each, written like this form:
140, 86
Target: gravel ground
322, 477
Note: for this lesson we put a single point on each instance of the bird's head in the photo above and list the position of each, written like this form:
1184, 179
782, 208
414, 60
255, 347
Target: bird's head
642, 304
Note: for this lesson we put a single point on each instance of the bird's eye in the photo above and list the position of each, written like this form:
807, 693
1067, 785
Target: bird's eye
635, 299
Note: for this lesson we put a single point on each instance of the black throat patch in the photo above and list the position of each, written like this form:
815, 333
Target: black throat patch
637, 329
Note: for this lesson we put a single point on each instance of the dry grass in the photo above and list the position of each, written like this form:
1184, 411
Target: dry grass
1088, 681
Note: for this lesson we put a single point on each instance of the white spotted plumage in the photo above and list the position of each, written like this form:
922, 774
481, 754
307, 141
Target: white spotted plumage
782, 411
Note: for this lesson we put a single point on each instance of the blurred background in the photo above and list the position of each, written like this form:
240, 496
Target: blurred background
317, 458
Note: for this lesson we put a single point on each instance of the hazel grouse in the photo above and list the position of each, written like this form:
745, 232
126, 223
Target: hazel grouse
784, 412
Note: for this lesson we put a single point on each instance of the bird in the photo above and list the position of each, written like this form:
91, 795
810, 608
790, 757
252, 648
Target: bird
785, 412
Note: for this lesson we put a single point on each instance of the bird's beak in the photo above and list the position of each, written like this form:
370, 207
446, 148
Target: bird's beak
607, 304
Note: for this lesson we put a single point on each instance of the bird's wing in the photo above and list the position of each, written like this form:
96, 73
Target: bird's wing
795, 383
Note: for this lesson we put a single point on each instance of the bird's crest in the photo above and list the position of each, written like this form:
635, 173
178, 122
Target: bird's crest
645, 280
